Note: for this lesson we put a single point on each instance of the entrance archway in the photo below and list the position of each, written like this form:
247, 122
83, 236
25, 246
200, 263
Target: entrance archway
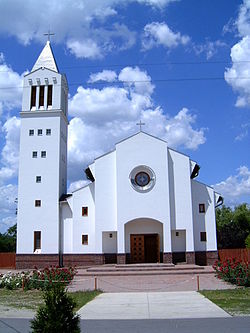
143, 240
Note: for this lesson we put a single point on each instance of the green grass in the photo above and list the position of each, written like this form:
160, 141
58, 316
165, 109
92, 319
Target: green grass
31, 299
234, 301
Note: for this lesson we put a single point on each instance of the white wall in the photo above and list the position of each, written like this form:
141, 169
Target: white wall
204, 221
109, 245
142, 149
84, 225
179, 242
180, 195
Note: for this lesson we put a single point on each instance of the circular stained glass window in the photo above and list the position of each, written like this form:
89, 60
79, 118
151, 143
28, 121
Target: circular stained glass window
142, 178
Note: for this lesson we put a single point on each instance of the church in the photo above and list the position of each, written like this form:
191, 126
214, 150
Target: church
142, 204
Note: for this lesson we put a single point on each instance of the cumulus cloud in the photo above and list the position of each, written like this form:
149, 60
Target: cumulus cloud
236, 186
10, 151
8, 195
159, 34
238, 75
102, 117
78, 184
76, 23
10, 85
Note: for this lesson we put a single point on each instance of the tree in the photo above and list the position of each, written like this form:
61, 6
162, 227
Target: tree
57, 314
233, 226
8, 240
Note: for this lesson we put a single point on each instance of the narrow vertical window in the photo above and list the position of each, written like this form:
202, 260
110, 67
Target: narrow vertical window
33, 97
49, 99
41, 96
85, 239
202, 208
37, 240
203, 236
84, 211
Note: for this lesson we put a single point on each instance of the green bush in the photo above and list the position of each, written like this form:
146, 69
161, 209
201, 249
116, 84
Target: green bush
247, 242
233, 271
56, 315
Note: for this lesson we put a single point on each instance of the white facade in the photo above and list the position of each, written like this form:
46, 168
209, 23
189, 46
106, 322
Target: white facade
142, 201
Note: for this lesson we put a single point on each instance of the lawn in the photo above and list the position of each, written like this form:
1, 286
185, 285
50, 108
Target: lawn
234, 301
31, 299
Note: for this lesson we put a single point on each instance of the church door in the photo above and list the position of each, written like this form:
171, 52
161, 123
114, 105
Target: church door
145, 248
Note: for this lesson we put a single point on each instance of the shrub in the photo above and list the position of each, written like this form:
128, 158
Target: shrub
43, 279
233, 271
57, 314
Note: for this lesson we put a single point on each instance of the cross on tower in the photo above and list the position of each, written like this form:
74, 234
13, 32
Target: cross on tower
140, 124
49, 34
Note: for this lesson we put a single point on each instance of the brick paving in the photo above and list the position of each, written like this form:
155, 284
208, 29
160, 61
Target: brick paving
125, 282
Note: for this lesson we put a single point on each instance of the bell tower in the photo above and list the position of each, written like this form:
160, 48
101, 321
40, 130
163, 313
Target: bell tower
43, 160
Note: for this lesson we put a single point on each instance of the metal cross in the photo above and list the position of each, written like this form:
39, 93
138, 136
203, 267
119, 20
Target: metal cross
140, 124
49, 34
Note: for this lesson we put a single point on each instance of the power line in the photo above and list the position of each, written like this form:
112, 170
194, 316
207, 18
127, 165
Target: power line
152, 64
140, 81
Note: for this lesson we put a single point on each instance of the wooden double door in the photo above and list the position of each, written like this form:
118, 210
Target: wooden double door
145, 248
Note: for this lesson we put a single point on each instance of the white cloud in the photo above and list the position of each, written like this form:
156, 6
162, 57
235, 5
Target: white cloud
235, 187
75, 23
159, 34
10, 152
238, 75
105, 75
102, 117
8, 195
11, 87
210, 48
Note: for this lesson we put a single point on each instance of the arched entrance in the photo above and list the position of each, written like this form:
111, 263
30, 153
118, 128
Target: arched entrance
143, 240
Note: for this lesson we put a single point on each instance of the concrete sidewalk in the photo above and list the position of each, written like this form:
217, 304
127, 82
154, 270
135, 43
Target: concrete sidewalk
151, 305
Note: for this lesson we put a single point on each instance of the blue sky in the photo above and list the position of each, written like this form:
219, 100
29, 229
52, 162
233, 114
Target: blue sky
180, 66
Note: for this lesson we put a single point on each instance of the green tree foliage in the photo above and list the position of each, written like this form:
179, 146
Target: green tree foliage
57, 314
233, 226
8, 240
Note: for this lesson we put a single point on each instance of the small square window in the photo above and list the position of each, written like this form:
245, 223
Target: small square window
38, 179
31, 132
39, 132
84, 211
203, 235
43, 153
202, 208
34, 154
48, 131
177, 234
85, 239
38, 203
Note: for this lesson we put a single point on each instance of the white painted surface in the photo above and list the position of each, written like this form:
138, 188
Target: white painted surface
109, 242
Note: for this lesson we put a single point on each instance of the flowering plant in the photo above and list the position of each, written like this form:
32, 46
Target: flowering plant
233, 271
38, 279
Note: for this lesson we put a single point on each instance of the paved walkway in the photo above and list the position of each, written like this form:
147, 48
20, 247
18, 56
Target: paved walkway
164, 305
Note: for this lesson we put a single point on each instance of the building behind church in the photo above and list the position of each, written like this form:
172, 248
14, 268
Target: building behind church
142, 204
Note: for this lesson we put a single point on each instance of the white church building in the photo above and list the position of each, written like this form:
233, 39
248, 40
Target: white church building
142, 204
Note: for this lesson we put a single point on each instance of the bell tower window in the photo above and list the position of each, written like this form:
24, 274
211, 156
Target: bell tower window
33, 97
41, 96
49, 99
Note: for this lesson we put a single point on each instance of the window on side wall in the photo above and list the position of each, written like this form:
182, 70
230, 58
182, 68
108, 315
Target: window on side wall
38, 203
85, 239
202, 208
37, 240
203, 236
84, 211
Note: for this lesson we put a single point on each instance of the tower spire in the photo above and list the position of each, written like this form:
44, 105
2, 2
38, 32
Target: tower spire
46, 58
